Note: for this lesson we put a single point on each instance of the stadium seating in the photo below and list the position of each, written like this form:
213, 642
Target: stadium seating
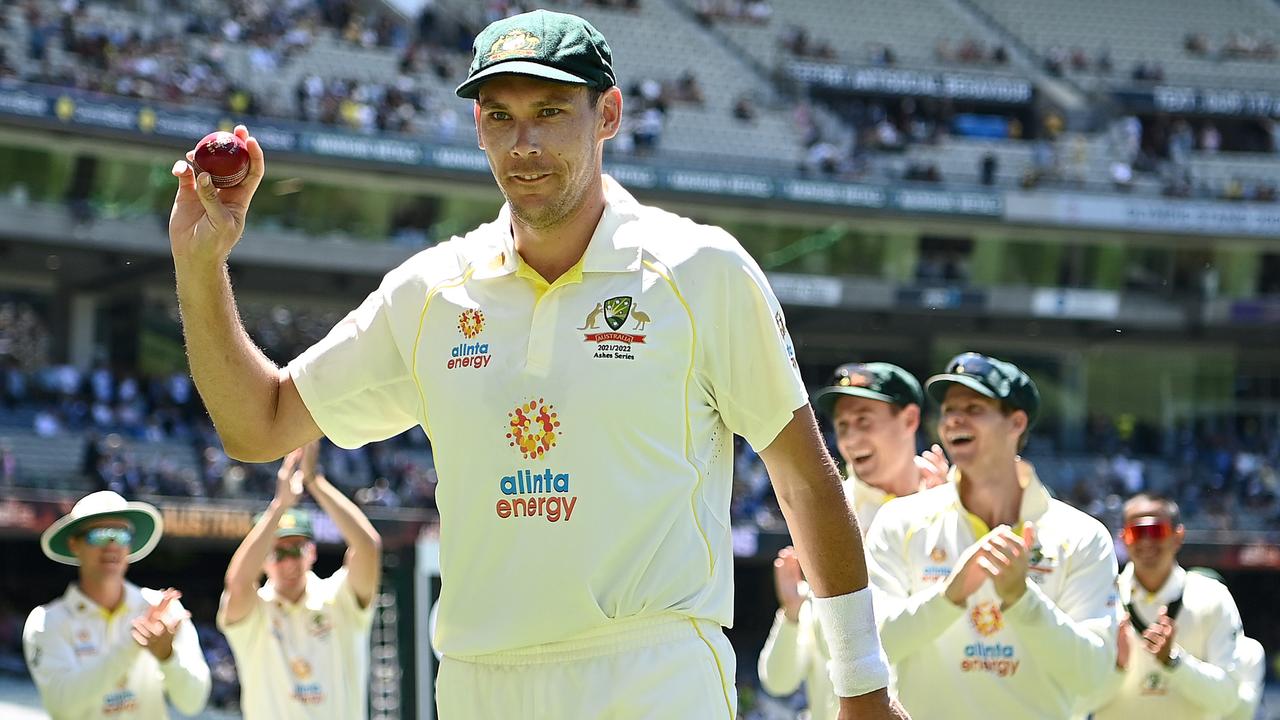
658, 41
910, 28
1151, 31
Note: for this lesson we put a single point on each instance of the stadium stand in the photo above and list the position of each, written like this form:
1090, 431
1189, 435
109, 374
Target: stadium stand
1158, 35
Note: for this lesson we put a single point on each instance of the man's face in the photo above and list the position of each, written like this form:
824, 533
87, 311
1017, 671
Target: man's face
875, 441
289, 562
1150, 535
973, 428
543, 140
102, 547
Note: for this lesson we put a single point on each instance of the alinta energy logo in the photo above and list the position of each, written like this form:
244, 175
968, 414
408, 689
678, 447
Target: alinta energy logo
1000, 659
533, 428
614, 344
305, 690
986, 618
470, 355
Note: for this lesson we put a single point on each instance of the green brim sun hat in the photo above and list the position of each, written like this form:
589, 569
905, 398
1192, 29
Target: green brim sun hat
145, 519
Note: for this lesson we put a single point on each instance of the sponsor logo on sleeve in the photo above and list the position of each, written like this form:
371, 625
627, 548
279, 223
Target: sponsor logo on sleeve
781, 322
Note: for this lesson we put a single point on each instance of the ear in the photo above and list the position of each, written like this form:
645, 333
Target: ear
910, 416
1020, 422
1179, 535
610, 113
475, 113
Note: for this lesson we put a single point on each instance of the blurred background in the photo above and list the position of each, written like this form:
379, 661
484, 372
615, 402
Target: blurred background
1087, 189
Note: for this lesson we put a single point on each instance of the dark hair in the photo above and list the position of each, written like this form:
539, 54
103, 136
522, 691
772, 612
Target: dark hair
1006, 409
594, 95
1171, 507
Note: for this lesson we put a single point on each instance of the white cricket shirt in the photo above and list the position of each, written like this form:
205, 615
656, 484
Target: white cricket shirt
1030, 660
582, 430
303, 661
1203, 685
87, 666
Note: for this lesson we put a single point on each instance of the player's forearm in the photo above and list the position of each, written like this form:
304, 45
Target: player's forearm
1207, 686
246, 563
823, 528
1081, 654
782, 667
239, 385
353, 524
364, 564
187, 681
911, 623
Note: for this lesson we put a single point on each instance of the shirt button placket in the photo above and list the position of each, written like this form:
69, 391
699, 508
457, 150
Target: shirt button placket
542, 334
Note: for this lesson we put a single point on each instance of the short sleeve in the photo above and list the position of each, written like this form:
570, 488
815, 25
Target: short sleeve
356, 382
344, 598
243, 632
749, 362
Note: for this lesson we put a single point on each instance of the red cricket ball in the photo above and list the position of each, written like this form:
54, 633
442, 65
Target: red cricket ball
224, 156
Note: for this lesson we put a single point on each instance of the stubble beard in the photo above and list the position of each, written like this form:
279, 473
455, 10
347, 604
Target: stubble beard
550, 215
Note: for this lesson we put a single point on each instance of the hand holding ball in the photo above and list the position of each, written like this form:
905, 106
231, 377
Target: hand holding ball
224, 156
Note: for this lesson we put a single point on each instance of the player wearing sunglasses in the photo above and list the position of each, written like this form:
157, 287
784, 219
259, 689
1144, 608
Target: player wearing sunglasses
301, 642
108, 648
1179, 633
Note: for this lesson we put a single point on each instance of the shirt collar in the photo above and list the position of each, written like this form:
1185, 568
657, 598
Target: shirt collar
272, 596
614, 246
81, 604
869, 494
1035, 498
1132, 590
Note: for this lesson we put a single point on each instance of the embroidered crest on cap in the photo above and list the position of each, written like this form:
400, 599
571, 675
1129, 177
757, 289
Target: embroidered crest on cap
517, 43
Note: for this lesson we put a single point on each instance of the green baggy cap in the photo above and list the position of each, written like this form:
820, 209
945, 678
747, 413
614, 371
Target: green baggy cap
543, 44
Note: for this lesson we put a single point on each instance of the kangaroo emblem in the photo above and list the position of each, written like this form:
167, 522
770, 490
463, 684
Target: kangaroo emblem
641, 318
593, 317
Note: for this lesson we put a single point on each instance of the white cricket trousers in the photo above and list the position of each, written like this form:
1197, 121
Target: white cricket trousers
664, 667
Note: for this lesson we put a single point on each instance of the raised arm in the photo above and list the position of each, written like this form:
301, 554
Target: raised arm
825, 533
364, 544
254, 405
241, 580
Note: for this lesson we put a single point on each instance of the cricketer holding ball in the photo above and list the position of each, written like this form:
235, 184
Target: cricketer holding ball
581, 365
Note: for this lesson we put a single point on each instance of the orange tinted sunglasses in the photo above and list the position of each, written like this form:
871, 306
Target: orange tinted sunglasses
1146, 528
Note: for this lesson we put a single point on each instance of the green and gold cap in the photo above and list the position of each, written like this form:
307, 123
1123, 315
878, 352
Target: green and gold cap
294, 522
994, 378
877, 380
543, 44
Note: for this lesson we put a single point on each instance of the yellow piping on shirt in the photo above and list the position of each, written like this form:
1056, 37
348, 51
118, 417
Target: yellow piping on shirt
688, 427
724, 686
417, 340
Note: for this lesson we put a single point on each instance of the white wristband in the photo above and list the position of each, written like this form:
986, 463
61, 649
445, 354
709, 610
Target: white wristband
858, 665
